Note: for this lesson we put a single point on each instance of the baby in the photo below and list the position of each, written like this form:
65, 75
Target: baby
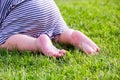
32, 24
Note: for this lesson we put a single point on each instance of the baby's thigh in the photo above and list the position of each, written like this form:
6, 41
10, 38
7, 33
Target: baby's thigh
19, 41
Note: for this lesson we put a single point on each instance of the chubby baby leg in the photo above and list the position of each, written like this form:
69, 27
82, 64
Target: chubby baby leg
21, 42
83, 42
24, 42
79, 40
44, 43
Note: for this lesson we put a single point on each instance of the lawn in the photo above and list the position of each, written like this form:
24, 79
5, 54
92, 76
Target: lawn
98, 19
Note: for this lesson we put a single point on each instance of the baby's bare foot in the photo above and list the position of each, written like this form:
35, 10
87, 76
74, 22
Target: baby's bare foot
89, 48
53, 51
83, 42
45, 45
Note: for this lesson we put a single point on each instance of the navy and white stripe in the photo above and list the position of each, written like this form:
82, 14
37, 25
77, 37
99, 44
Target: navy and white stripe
6, 6
30, 17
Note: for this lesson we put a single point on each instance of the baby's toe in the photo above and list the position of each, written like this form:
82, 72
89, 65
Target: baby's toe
62, 52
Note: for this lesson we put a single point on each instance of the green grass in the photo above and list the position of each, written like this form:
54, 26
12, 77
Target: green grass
98, 19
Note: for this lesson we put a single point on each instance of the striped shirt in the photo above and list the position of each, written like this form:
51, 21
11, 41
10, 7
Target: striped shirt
30, 17
6, 6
